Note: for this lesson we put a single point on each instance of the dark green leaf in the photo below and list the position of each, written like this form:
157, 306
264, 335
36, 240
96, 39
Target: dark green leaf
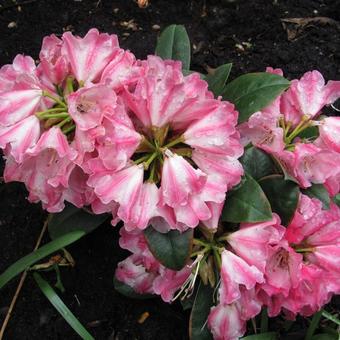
72, 219
59, 305
129, 292
253, 91
283, 196
313, 325
257, 163
172, 249
320, 192
49, 248
310, 133
325, 337
174, 43
262, 336
218, 80
198, 329
247, 203
336, 200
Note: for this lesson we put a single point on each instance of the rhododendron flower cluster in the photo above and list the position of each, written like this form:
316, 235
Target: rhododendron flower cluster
92, 125
239, 209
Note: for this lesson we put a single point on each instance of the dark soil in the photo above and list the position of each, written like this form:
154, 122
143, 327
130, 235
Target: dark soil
247, 33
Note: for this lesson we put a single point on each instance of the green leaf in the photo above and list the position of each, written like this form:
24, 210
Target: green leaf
262, 336
247, 203
73, 219
174, 43
253, 91
198, 329
320, 192
128, 291
336, 200
218, 80
257, 163
49, 248
325, 336
283, 196
171, 249
310, 133
59, 305
313, 325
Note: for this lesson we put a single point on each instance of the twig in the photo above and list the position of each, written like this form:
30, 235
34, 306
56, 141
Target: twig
21, 283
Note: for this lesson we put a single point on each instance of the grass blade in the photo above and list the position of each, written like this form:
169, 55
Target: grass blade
330, 317
314, 325
59, 305
49, 248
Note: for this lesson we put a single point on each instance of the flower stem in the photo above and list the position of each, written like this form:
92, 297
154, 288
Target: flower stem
174, 142
304, 250
68, 129
57, 100
54, 115
65, 121
150, 160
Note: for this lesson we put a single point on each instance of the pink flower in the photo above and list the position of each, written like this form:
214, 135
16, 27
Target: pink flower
89, 56
20, 137
122, 71
308, 96
170, 281
54, 64
16, 105
45, 170
225, 322
122, 187
254, 242
87, 106
235, 273
329, 130
132, 272
179, 180
283, 270
162, 106
313, 165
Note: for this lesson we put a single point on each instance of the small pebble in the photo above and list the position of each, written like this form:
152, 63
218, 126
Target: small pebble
12, 24
156, 27
115, 10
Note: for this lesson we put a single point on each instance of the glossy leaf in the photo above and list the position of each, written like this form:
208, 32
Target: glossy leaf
320, 192
128, 291
172, 249
49, 248
59, 305
262, 336
218, 80
283, 196
174, 43
257, 163
72, 219
336, 200
247, 203
253, 91
325, 336
198, 329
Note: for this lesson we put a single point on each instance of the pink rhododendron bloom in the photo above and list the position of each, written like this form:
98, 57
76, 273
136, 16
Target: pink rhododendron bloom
254, 242
235, 272
144, 273
55, 66
225, 322
89, 56
171, 117
308, 95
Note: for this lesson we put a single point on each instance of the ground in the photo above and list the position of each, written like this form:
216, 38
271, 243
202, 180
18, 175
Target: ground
250, 34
